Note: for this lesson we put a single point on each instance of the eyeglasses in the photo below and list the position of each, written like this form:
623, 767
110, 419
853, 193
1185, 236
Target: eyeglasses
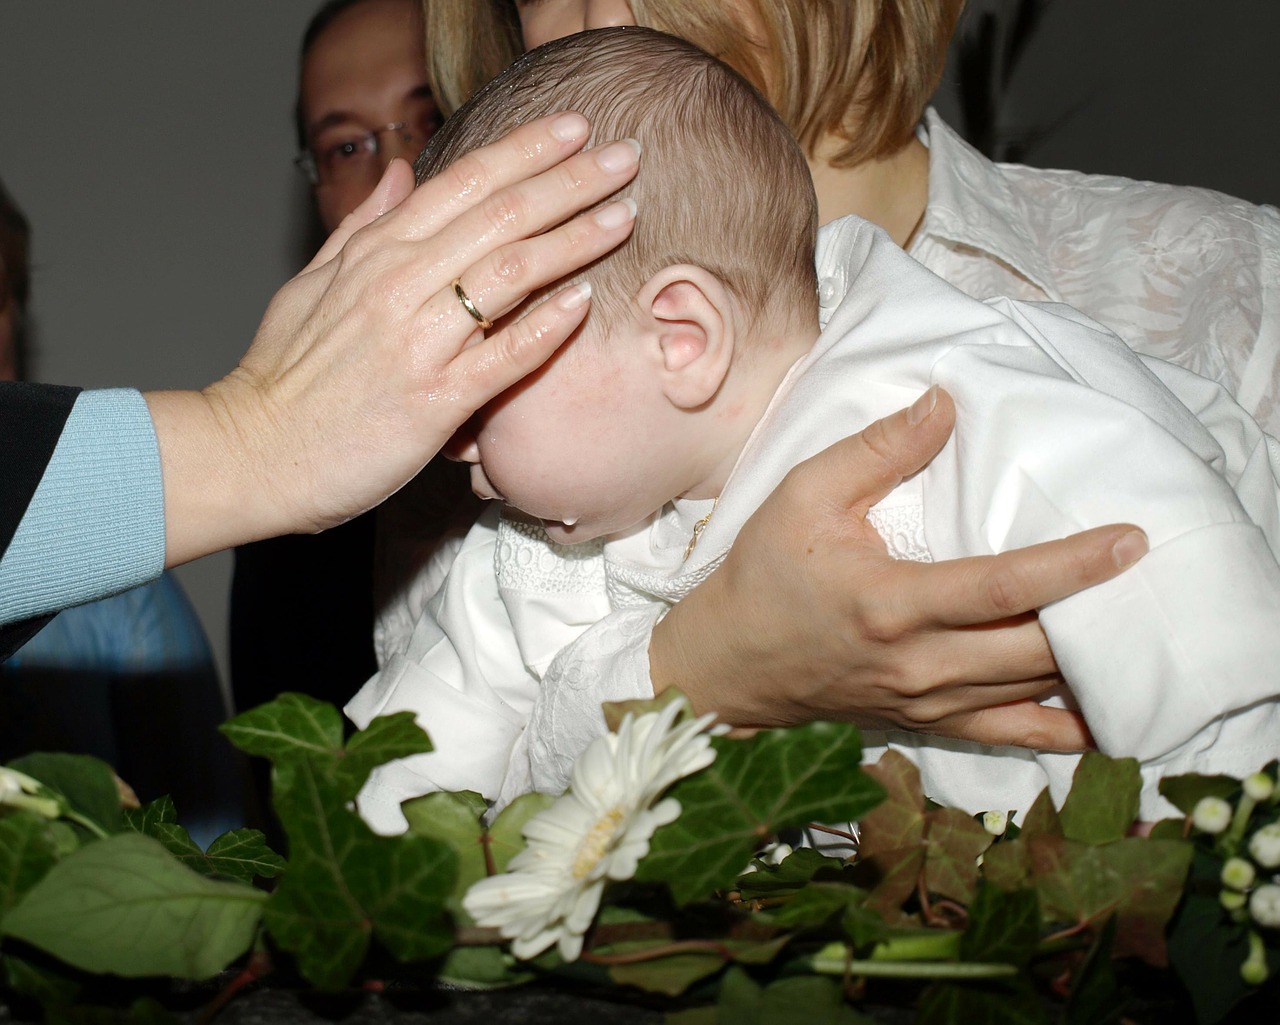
351, 152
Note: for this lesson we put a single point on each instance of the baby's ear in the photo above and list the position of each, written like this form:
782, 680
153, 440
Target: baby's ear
690, 314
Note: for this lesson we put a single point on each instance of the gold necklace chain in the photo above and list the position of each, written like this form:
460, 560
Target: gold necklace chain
698, 528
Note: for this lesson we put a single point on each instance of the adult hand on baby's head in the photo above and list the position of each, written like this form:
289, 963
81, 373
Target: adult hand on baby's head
809, 618
366, 362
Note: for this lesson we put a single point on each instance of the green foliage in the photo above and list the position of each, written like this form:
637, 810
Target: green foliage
1003, 927
456, 819
27, 852
293, 725
124, 905
971, 927
1103, 802
241, 854
743, 1002
802, 867
86, 784
776, 780
344, 885
1185, 792
906, 845
985, 1003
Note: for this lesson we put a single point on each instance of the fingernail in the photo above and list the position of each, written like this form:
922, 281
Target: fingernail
922, 406
1130, 548
573, 297
618, 156
569, 127
615, 215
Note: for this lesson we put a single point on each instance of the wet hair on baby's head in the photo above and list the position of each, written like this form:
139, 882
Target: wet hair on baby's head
722, 184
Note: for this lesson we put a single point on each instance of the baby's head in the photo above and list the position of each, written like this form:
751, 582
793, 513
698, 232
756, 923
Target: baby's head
694, 318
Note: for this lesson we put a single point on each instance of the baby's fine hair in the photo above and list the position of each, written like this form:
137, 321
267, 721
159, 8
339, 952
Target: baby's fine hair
722, 184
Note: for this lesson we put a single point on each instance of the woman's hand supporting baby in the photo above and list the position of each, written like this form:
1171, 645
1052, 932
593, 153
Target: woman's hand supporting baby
809, 618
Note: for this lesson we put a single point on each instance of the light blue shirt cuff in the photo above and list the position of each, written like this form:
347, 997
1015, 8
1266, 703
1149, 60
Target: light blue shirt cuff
95, 525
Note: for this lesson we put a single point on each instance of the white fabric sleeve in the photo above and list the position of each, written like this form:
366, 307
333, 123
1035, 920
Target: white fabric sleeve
462, 677
1180, 650
609, 662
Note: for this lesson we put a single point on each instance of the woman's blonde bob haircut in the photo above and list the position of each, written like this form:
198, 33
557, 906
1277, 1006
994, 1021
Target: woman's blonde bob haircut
860, 71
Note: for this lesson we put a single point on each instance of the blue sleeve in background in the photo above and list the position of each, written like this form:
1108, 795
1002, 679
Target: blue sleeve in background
95, 525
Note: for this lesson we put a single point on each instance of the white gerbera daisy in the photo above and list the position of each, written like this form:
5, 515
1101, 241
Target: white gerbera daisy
599, 829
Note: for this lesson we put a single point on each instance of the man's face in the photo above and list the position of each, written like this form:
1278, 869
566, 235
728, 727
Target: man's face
364, 72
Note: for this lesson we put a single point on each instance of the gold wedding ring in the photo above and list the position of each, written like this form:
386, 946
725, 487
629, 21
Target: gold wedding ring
484, 322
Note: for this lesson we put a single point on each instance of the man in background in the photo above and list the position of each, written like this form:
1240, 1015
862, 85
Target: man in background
302, 606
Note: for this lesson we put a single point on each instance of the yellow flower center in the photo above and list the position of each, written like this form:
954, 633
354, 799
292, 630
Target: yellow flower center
595, 844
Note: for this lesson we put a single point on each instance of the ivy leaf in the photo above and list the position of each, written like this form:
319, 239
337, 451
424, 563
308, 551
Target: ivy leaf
1140, 881
1042, 818
1003, 927
1185, 792
141, 820
799, 868
177, 841
27, 852
897, 823
1103, 802
864, 926
385, 739
1095, 994
344, 883
893, 876
754, 788
669, 976
903, 837
291, 725
955, 840
86, 783
243, 854
240, 854
951, 1003
817, 904
743, 1002
482, 968
506, 835
674, 973
456, 820
124, 905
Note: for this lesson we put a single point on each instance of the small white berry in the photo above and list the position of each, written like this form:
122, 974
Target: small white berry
995, 822
1264, 846
1211, 815
1259, 786
1264, 905
1238, 874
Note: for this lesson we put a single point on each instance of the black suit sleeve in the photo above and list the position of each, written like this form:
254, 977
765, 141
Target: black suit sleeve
32, 417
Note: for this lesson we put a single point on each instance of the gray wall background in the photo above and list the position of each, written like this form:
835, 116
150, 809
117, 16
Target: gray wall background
149, 142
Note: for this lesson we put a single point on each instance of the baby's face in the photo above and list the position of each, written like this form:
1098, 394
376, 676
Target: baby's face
582, 445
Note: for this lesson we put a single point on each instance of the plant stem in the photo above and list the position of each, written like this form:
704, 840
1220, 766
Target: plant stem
258, 966
833, 959
88, 824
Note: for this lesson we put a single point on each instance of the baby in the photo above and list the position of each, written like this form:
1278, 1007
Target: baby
714, 359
